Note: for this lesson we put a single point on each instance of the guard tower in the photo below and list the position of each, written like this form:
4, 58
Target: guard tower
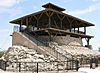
53, 22
55, 33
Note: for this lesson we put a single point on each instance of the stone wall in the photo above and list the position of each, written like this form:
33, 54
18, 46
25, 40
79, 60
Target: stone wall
19, 39
66, 40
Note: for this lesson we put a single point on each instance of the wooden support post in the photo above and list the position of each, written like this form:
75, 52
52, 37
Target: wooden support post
78, 29
37, 24
19, 66
49, 16
49, 21
27, 22
81, 60
57, 66
88, 41
36, 20
70, 21
61, 23
20, 28
74, 29
70, 28
77, 65
84, 30
67, 65
5, 65
60, 20
37, 67
72, 63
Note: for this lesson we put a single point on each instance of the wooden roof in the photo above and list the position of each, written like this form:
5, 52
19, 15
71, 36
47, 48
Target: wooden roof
52, 6
74, 25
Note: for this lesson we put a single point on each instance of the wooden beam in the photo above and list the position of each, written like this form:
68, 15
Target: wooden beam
49, 17
58, 16
41, 15
60, 20
70, 21
36, 20
48, 14
35, 17
63, 17
51, 14
70, 33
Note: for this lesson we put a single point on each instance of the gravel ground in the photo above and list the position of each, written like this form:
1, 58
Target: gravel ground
81, 70
88, 70
1, 71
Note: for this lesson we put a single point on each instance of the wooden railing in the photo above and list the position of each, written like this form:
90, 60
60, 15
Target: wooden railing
39, 66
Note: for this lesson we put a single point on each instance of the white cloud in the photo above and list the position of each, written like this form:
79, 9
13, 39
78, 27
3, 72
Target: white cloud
10, 11
65, 1
93, 0
8, 3
8, 7
93, 8
4, 31
14, 11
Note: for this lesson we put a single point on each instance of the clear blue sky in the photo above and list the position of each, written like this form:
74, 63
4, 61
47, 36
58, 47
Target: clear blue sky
88, 10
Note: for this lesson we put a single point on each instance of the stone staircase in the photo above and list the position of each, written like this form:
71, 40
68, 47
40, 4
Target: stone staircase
47, 49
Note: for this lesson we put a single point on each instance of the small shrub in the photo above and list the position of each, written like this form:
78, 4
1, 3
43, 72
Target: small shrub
1, 53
